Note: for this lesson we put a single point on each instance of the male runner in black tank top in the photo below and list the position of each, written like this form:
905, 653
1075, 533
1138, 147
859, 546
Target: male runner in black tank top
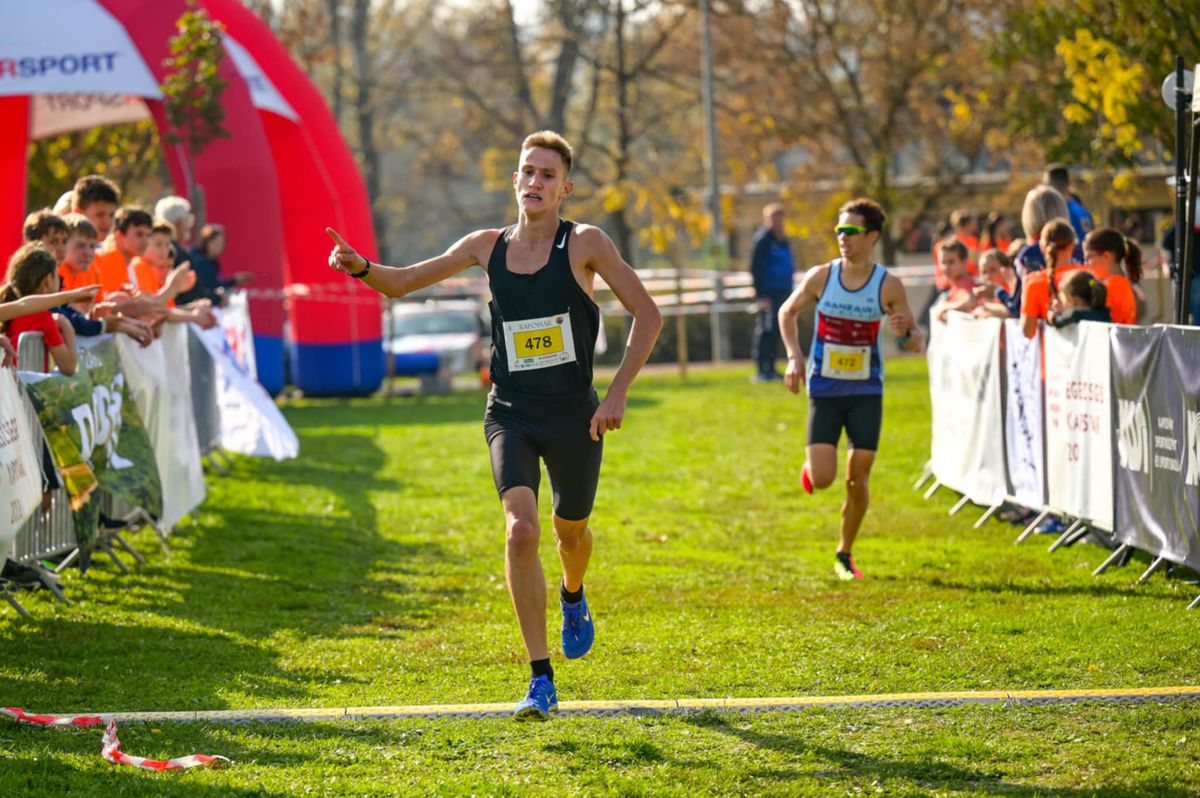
542, 405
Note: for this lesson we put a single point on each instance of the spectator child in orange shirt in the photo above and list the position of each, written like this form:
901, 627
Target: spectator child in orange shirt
1057, 243
97, 198
150, 269
960, 293
1082, 298
77, 266
131, 234
1117, 262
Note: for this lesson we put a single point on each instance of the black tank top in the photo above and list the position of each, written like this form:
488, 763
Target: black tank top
544, 326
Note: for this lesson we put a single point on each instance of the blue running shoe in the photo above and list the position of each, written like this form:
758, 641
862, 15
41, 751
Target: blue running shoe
539, 702
578, 631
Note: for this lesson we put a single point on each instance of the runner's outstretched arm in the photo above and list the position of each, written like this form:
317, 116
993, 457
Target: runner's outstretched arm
900, 317
807, 293
396, 281
603, 258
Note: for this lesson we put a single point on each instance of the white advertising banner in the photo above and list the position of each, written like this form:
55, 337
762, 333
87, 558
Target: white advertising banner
52, 114
968, 422
235, 320
68, 46
251, 422
1023, 437
263, 93
159, 380
1079, 457
20, 460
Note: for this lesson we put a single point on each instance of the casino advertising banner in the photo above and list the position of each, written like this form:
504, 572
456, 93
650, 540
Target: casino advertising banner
1079, 422
1023, 439
1156, 384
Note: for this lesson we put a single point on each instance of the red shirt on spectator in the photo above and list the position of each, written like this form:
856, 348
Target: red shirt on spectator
42, 322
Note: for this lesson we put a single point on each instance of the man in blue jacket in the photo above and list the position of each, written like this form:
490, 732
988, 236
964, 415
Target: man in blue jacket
772, 266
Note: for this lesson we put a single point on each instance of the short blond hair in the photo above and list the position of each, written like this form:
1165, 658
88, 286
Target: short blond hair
549, 140
79, 226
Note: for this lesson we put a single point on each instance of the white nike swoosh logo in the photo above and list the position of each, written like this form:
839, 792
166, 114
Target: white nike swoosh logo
587, 618
563, 243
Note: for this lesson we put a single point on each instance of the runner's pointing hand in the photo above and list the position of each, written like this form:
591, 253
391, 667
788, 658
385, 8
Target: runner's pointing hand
343, 257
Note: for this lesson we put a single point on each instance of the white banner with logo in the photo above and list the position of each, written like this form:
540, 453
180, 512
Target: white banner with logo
1079, 456
235, 320
52, 114
263, 93
20, 460
57, 46
159, 380
968, 422
1023, 438
251, 422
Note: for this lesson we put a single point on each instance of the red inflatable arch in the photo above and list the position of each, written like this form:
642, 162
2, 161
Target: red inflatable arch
275, 217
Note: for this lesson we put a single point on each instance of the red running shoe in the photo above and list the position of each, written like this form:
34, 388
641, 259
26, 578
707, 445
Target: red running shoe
806, 480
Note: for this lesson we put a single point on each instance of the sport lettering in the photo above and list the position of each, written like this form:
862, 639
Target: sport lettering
65, 64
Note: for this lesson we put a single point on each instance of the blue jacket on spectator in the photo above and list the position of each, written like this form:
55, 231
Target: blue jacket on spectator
79, 322
771, 264
209, 282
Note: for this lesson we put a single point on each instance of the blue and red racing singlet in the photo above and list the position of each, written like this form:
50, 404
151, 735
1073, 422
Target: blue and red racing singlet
845, 360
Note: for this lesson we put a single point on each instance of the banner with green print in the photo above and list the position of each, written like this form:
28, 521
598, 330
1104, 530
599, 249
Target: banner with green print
96, 435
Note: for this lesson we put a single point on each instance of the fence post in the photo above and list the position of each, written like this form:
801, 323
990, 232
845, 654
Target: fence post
720, 336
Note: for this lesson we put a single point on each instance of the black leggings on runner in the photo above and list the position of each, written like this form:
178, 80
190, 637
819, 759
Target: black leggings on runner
521, 429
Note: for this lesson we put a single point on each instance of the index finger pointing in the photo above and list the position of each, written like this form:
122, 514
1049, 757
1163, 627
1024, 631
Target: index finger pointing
341, 242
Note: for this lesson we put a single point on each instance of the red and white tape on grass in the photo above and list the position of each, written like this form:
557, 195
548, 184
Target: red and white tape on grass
20, 715
111, 747
112, 752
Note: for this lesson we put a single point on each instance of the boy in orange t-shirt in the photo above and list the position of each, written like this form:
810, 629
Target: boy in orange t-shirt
151, 269
77, 267
131, 234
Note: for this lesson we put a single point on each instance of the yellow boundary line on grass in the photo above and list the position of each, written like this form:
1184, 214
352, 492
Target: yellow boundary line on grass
683, 706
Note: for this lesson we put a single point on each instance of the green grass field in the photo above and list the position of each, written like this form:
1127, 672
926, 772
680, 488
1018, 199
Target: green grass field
369, 572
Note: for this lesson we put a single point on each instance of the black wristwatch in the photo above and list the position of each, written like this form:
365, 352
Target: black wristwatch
366, 270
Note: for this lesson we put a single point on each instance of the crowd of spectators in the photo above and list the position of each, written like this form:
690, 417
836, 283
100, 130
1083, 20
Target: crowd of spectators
93, 265
1062, 271
989, 273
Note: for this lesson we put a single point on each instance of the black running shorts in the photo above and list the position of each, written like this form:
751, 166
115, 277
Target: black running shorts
521, 429
861, 416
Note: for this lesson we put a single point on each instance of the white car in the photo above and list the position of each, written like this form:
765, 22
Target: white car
446, 337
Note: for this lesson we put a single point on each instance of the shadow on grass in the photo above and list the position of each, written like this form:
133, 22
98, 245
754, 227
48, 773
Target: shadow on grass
899, 774
100, 667
251, 572
455, 408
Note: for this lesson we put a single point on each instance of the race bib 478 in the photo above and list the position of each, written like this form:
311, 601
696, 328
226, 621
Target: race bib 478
539, 343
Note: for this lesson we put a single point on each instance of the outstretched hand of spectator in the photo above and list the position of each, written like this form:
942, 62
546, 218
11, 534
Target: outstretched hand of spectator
8, 355
180, 279
136, 329
85, 294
